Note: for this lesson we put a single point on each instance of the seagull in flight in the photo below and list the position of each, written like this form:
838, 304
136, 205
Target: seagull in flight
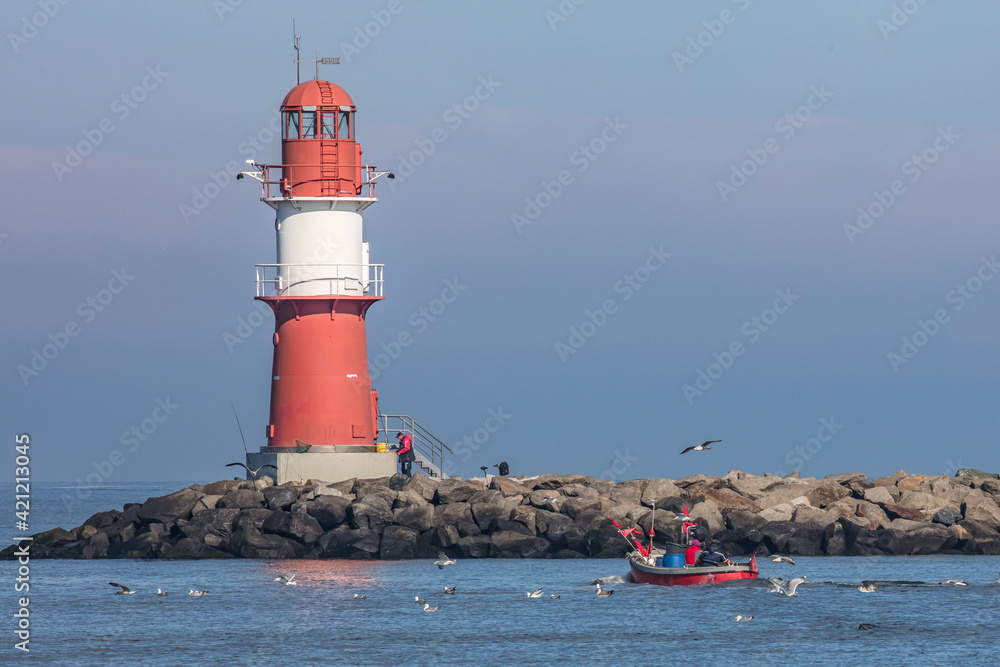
252, 472
777, 585
792, 585
442, 561
700, 448
449, 590
601, 593
427, 607
739, 618
537, 593
783, 559
867, 587
125, 590
286, 579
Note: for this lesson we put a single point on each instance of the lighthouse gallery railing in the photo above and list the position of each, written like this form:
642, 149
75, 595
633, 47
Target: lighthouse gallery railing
319, 280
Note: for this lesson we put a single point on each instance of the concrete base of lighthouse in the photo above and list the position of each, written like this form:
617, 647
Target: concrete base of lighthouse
322, 463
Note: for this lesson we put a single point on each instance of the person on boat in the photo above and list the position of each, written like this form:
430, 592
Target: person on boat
713, 556
405, 453
691, 556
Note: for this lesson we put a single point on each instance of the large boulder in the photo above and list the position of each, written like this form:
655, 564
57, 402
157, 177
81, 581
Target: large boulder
424, 486
980, 507
525, 515
776, 535
813, 517
509, 487
398, 542
262, 545
416, 517
372, 512
879, 495
485, 512
834, 541
927, 504
474, 546
507, 544
846, 478
170, 508
551, 482
241, 499
657, 488
919, 539
947, 517
780, 512
346, 542
329, 511
293, 525
280, 497
222, 487
897, 512
890, 481
625, 494
806, 541
710, 513
216, 522
972, 472
188, 548
727, 500
576, 506
453, 491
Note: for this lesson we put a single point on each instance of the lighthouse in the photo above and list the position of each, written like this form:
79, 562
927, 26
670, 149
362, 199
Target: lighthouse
324, 417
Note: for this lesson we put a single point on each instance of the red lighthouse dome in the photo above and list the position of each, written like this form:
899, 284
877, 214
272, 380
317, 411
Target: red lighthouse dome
319, 154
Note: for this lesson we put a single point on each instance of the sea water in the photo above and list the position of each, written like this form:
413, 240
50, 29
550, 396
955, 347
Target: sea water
247, 618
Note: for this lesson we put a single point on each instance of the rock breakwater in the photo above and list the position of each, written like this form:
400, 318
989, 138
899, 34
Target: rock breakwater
548, 516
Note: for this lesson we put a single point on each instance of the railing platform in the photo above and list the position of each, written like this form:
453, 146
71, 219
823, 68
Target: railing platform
278, 280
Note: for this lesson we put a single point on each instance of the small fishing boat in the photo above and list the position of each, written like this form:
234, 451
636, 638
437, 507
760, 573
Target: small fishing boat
667, 567
644, 572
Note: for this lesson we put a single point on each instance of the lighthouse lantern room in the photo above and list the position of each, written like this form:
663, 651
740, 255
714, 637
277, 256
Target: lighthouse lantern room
324, 412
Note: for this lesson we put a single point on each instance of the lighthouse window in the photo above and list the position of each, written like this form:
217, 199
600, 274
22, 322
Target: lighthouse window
290, 128
345, 126
308, 124
329, 124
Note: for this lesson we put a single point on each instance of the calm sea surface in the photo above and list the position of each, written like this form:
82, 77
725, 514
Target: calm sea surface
247, 619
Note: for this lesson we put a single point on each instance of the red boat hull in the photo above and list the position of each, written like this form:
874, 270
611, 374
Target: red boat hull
690, 576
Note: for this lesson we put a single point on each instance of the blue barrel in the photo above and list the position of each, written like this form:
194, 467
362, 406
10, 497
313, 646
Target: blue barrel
659, 561
673, 560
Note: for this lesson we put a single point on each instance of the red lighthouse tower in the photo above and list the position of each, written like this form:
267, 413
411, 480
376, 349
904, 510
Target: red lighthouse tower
324, 411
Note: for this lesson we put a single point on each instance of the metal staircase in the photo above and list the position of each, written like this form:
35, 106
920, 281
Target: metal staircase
427, 448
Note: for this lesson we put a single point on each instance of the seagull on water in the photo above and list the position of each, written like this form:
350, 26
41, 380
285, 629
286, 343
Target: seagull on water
954, 582
442, 561
252, 472
359, 597
449, 590
159, 592
553, 597
700, 448
199, 594
125, 590
783, 559
427, 607
867, 587
792, 585
417, 599
738, 618
286, 579
537, 593
601, 593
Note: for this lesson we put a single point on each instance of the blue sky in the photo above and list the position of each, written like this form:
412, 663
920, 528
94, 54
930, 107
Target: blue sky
739, 138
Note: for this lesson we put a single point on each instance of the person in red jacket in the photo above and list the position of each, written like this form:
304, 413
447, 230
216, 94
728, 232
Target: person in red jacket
405, 453
692, 553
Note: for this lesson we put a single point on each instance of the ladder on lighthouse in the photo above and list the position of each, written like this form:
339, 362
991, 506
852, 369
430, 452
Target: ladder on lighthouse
427, 448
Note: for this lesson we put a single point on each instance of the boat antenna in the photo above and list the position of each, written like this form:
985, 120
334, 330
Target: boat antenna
652, 521
241, 431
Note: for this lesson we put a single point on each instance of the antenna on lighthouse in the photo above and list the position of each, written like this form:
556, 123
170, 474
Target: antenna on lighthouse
295, 45
298, 60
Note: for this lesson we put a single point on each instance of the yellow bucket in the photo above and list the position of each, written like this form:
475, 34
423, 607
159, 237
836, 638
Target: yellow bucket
380, 446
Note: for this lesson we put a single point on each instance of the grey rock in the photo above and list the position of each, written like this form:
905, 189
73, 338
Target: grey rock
453, 491
329, 511
346, 542
398, 542
170, 508
416, 517
300, 527
947, 517
280, 497
241, 499
507, 544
